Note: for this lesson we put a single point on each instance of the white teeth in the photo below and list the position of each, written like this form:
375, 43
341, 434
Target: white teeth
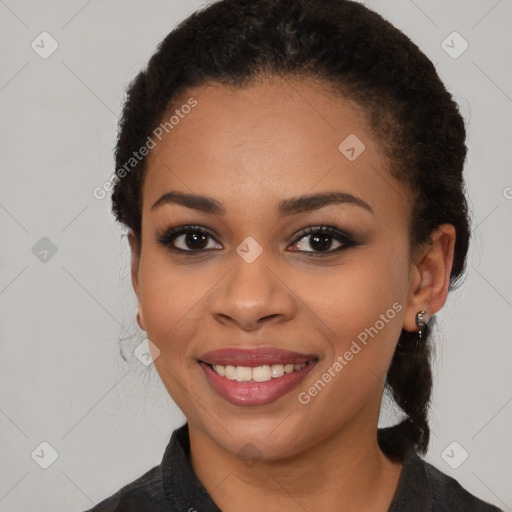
289, 368
277, 370
219, 369
230, 372
256, 373
261, 373
243, 373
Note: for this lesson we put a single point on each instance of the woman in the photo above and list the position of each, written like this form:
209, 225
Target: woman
290, 174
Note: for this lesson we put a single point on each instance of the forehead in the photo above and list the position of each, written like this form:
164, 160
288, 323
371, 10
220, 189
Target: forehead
267, 141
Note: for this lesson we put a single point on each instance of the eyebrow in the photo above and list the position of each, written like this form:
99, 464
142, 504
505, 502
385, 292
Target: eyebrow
290, 206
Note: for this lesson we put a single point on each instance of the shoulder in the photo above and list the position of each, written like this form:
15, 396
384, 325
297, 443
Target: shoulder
449, 495
424, 488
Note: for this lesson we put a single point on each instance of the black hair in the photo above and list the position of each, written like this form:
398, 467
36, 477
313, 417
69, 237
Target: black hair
355, 52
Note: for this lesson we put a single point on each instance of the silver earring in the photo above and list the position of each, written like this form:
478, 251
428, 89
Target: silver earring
420, 322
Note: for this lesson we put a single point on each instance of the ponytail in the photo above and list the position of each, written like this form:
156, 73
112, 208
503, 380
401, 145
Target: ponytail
409, 379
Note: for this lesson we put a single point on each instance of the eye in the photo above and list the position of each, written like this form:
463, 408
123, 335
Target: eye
194, 239
320, 239
189, 239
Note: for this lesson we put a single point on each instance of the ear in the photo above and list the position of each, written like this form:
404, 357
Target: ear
135, 259
430, 275
135, 249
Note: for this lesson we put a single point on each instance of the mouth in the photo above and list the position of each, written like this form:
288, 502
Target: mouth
255, 377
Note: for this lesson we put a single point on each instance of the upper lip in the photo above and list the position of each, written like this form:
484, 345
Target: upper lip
260, 356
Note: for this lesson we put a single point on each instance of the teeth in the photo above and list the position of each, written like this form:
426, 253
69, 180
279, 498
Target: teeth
256, 373
261, 373
243, 373
230, 372
277, 370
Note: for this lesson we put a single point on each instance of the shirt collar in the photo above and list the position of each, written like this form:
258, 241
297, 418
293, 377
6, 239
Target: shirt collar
184, 490
181, 485
414, 486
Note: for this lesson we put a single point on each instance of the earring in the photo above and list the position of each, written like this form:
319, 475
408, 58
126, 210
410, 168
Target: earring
420, 322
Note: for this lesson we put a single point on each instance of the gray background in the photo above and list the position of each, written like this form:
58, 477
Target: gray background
62, 378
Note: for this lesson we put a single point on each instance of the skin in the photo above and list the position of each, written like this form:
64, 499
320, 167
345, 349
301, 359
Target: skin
249, 149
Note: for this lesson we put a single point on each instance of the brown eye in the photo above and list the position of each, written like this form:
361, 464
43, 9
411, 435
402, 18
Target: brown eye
188, 239
320, 240
194, 240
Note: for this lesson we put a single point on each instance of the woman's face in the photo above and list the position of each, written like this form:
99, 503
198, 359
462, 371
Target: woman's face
336, 300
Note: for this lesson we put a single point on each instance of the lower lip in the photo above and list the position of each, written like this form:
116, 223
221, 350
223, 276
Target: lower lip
255, 393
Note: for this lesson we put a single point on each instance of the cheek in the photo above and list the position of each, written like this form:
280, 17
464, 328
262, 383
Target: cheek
368, 291
364, 327
173, 302
361, 306
172, 299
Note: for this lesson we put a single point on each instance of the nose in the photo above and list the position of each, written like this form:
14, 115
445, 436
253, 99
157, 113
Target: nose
253, 294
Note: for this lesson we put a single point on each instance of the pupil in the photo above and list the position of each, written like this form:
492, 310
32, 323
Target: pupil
191, 239
324, 242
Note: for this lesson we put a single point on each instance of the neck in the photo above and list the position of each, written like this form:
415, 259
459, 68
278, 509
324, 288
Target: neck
345, 471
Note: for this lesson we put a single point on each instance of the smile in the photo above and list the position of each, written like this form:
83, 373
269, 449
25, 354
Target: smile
255, 377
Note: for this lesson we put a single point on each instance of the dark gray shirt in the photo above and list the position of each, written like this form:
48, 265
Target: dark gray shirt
172, 486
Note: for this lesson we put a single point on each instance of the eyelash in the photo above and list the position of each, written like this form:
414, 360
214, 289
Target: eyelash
346, 239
